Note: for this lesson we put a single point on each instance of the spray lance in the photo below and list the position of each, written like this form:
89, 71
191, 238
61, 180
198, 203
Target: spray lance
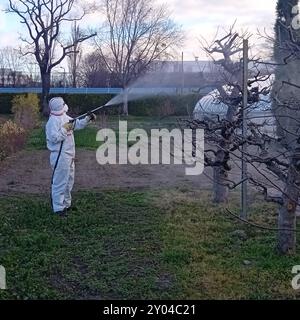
73, 120
112, 102
87, 113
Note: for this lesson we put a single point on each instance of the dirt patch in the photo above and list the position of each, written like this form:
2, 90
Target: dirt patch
30, 172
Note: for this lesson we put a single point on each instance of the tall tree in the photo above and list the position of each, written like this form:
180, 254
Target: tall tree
287, 112
44, 20
76, 55
135, 33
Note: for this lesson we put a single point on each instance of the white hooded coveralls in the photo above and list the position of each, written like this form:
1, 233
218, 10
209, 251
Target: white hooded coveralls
63, 176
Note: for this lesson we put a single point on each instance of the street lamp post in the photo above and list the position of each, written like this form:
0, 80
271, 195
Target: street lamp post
64, 75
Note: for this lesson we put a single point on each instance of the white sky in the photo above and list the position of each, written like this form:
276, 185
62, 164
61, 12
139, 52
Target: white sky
197, 18
203, 17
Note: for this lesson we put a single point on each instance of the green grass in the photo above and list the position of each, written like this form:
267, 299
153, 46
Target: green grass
146, 123
139, 245
86, 138
36, 140
209, 259
108, 249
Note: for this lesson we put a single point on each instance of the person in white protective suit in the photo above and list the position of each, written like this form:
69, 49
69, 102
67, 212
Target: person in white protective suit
60, 142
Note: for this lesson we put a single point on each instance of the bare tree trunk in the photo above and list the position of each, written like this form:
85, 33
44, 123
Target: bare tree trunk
220, 178
287, 212
74, 68
74, 82
125, 102
221, 172
14, 79
46, 78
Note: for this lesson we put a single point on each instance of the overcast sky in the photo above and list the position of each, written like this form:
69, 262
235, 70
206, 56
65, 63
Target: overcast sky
197, 17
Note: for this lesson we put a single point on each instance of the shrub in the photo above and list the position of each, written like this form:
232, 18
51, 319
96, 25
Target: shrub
25, 108
12, 138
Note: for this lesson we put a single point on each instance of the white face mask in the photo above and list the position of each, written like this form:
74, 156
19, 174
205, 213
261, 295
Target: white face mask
66, 108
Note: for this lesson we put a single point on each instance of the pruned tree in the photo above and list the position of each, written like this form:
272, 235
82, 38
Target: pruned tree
135, 33
220, 131
44, 20
286, 102
273, 157
279, 163
224, 139
221, 115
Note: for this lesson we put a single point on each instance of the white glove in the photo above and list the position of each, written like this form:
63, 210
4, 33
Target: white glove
91, 117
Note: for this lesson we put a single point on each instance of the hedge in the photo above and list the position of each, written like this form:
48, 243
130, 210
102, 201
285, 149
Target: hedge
179, 105
81, 103
6, 102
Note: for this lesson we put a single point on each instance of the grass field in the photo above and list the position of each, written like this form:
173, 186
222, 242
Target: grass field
138, 245
86, 138
146, 244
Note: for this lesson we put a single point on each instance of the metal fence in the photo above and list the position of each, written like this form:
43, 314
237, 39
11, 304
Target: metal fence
63, 90
138, 91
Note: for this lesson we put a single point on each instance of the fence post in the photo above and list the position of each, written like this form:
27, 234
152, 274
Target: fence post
244, 129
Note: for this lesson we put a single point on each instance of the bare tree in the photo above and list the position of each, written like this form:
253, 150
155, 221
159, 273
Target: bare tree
286, 109
14, 61
274, 158
2, 68
11, 66
135, 33
220, 114
220, 132
76, 55
44, 20
31, 69
93, 71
